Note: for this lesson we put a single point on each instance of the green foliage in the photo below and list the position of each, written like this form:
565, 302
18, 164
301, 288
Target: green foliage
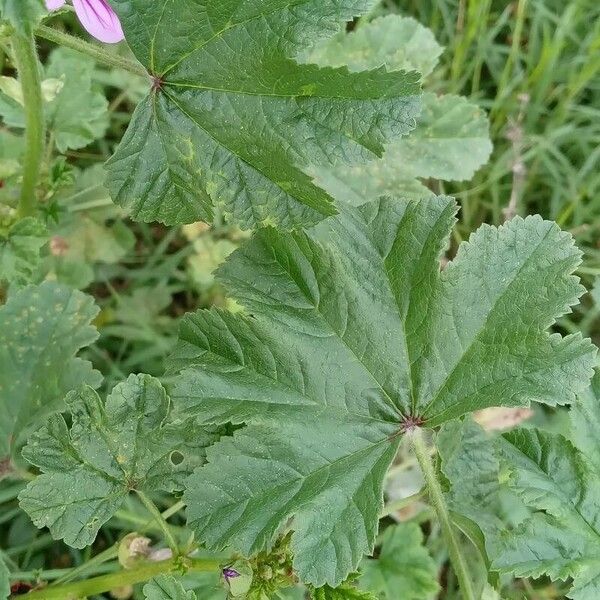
395, 42
20, 251
166, 587
403, 569
245, 140
75, 109
351, 333
42, 328
23, 15
345, 591
561, 484
126, 444
78, 114
4, 581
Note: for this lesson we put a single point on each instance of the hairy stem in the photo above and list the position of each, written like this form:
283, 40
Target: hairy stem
436, 497
105, 583
97, 52
161, 522
27, 64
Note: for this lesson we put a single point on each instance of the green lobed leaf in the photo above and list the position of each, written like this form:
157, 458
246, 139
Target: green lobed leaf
20, 251
235, 123
111, 449
404, 569
562, 538
450, 142
4, 581
398, 43
351, 333
41, 330
23, 15
480, 504
76, 113
166, 587
345, 591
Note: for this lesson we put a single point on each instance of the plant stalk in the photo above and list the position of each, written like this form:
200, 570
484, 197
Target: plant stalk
103, 56
160, 521
105, 583
26, 60
436, 497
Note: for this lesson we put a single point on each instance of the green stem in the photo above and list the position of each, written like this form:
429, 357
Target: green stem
161, 522
27, 64
97, 52
105, 583
436, 497
399, 504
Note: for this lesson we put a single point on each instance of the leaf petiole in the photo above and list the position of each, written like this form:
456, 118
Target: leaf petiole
103, 56
160, 521
436, 497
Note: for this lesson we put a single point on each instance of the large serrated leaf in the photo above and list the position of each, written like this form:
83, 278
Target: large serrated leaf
235, 124
110, 450
352, 334
41, 330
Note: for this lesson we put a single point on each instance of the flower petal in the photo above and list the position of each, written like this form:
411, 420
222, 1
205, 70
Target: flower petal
54, 4
100, 20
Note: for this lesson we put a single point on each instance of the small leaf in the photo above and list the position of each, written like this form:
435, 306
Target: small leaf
111, 448
345, 591
404, 568
166, 587
20, 251
398, 43
23, 15
4, 581
41, 329
562, 538
235, 123
76, 111
350, 335
78, 114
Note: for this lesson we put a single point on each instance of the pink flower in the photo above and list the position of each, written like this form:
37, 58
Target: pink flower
98, 18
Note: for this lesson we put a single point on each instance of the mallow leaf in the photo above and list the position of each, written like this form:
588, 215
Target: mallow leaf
345, 591
234, 123
41, 330
4, 581
111, 449
351, 334
404, 569
562, 485
398, 43
20, 251
166, 587
23, 15
562, 538
450, 142
76, 113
